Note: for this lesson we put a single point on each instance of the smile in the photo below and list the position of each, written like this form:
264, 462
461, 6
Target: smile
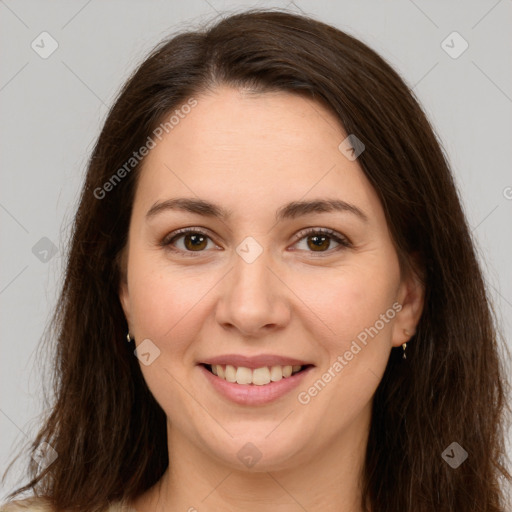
257, 376
255, 386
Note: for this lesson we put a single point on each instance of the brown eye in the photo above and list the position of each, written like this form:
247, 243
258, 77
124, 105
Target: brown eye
319, 240
194, 241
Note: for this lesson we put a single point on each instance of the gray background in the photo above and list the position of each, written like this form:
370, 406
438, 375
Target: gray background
53, 108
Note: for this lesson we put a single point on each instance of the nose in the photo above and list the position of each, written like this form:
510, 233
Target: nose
253, 300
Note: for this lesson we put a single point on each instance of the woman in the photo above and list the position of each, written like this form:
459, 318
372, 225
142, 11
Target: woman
272, 300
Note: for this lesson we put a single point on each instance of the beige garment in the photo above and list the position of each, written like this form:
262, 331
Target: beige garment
41, 505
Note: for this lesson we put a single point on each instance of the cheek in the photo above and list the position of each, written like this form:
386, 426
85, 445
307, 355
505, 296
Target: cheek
164, 301
351, 299
357, 306
166, 306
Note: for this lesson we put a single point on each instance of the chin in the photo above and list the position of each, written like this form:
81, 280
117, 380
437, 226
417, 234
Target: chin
260, 452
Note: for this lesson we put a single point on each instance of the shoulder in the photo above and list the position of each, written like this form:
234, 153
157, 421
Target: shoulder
43, 505
26, 505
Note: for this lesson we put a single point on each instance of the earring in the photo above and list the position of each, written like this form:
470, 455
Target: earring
129, 339
404, 345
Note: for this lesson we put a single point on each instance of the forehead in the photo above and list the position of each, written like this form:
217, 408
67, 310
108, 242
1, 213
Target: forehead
244, 148
230, 120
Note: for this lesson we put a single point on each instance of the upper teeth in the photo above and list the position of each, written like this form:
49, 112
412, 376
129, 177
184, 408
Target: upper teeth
258, 376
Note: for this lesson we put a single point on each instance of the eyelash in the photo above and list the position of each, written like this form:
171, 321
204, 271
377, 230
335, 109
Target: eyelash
337, 237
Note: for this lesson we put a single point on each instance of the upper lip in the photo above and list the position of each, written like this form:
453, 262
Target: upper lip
253, 362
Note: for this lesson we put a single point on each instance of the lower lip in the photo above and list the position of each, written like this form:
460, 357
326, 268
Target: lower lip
251, 394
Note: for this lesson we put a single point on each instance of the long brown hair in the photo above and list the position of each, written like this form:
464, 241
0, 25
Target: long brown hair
107, 429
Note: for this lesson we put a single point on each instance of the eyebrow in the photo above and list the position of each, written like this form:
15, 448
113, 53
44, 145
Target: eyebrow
289, 211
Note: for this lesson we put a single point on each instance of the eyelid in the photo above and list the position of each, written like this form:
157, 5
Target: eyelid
167, 241
339, 238
183, 231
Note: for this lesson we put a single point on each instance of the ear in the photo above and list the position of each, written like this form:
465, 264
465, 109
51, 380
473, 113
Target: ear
124, 299
124, 296
411, 296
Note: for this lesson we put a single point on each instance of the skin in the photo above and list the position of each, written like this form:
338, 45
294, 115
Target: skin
253, 153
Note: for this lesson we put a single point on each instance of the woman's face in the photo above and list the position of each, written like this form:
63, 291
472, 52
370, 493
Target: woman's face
262, 282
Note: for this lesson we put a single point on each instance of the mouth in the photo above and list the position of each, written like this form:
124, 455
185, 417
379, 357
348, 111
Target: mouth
261, 376
255, 386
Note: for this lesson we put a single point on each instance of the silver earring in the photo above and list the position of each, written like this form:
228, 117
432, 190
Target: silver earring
129, 339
